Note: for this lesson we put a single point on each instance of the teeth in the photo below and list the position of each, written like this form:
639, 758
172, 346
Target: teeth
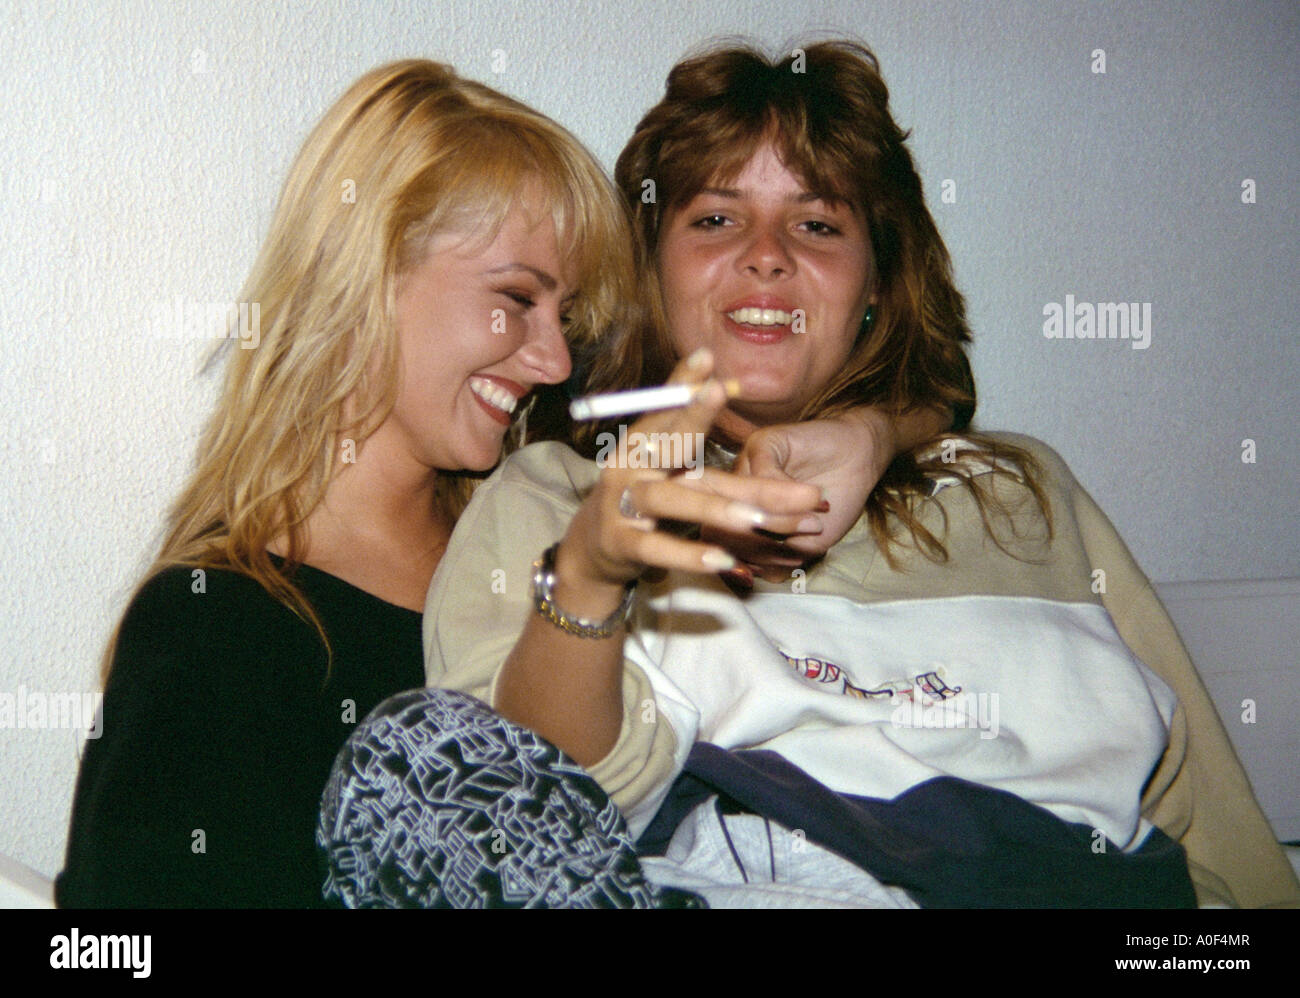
761, 317
493, 394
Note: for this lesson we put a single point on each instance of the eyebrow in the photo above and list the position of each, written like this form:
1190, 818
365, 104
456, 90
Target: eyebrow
546, 280
807, 197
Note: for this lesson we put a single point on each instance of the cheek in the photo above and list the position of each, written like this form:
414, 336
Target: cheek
673, 286
427, 361
682, 299
855, 290
684, 339
844, 326
684, 268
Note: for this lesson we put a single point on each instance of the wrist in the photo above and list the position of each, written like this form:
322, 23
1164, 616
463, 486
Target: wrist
883, 439
579, 579
582, 607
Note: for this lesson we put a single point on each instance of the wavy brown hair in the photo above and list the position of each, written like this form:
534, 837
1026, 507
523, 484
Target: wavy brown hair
410, 150
825, 108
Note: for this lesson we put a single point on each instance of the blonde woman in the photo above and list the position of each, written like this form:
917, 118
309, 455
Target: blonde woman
434, 246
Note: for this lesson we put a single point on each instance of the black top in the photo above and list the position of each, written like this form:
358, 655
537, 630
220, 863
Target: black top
220, 725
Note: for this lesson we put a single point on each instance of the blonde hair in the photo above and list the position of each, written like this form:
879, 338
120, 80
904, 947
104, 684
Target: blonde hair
825, 107
410, 150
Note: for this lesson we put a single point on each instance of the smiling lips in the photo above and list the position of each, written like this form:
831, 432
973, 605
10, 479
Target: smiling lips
497, 396
761, 322
761, 317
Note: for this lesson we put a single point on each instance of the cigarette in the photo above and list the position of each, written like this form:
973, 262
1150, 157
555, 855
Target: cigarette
640, 400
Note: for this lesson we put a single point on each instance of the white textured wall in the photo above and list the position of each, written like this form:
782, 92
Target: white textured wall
130, 179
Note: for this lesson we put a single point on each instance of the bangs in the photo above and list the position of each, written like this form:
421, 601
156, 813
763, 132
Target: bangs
490, 166
593, 233
714, 150
471, 185
824, 121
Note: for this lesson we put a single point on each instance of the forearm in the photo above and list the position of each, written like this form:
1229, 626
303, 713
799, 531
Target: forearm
916, 426
898, 433
565, 687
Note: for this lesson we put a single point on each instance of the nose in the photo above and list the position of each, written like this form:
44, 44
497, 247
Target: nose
766, 253
546, 352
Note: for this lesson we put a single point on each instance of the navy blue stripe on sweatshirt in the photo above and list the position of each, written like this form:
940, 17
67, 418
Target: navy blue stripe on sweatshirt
948, 842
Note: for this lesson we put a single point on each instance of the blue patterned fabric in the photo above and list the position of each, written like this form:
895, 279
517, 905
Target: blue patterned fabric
438, 802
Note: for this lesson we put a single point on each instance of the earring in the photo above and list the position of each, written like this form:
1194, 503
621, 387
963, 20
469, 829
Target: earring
869, 318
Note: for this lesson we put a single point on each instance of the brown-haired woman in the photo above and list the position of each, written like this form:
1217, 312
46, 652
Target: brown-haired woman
943, 709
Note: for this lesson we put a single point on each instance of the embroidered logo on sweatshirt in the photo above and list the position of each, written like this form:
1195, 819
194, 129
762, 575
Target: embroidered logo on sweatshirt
930, 685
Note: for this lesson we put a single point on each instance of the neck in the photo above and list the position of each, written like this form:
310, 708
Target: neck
388, 497
378, 526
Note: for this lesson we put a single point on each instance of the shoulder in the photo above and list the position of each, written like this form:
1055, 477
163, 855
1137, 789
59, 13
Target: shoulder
202, 602
542, 483
551, 467
1054, 475
529, 500
1077, 519
1028, 509
184, 588
1040, 450
183, 619
207, 727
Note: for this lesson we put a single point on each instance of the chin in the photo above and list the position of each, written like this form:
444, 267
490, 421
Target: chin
770, 377
761, 412
483, 463
765, 394
484, 459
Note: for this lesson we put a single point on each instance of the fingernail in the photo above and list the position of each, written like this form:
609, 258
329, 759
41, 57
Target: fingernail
732, 387
745, 515
698, 359
822, 507
739, 576
809, 525
718, 561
